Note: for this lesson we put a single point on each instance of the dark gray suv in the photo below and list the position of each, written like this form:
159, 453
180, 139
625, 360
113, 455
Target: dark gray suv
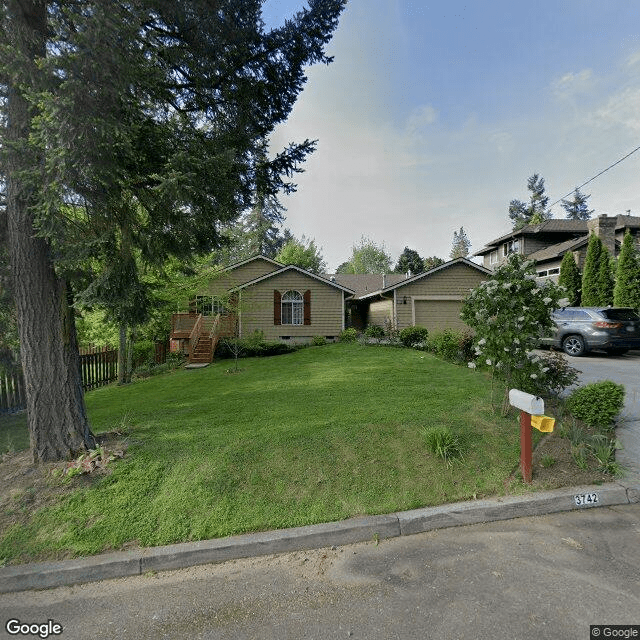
581, 329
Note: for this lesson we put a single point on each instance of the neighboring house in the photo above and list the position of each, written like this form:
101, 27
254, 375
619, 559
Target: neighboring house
290, 304
546, 243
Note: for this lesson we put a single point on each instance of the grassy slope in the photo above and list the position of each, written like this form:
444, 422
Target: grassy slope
318, 435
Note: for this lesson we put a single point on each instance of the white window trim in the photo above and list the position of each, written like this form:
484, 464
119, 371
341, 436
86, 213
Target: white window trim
297, 305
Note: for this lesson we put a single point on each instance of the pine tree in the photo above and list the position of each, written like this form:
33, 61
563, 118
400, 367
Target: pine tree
577, 207
536, 211
460, 245
570, 279
627, 288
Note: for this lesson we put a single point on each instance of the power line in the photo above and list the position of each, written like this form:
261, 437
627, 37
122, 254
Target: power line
584, 184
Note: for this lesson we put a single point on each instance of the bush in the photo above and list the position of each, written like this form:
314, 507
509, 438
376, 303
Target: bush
555, 374
143, 352
348, 335
414, 336
374, 331
318, 341
597, 404
454, 346
252, 347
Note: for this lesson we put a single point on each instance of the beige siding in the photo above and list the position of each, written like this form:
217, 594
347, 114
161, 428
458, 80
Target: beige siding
229, 279
451, 284
380, 313
256, 308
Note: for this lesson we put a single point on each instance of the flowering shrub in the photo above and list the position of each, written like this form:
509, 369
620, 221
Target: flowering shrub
509, 313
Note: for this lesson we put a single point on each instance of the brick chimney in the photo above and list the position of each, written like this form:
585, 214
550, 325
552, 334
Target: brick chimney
605, 228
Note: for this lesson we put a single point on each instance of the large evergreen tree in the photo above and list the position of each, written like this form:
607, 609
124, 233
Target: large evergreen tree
577, 208
409, 261
461, 245
521, 213
570, 279
131, 130
627, 288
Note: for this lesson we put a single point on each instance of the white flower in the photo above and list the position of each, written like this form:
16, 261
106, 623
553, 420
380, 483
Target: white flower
482, 341
506, 349
545, 369
547, 300
533, 375
488, 362
516, 341
472, 365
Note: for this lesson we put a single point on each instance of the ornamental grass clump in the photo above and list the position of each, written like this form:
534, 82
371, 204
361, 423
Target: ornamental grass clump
443, 443
509, 313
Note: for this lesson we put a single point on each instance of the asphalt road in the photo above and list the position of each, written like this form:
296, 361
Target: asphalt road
530, 578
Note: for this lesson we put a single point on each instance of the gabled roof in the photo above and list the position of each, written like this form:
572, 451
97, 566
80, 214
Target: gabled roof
548, 226
235, 265
624, 222
558, 250
425, 274
364, 283
292, 267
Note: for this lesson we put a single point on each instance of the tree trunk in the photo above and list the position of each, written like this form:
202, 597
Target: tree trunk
122, 353
58, 425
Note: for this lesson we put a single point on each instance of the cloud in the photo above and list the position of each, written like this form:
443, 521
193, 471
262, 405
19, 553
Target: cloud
571, 85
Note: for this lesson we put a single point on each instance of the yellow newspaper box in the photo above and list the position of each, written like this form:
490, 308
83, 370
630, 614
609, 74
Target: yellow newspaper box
543, 423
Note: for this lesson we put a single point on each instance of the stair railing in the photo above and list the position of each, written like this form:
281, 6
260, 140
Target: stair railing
213, 335
194, 336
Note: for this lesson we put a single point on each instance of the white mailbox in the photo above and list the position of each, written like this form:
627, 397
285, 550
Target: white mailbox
526, 402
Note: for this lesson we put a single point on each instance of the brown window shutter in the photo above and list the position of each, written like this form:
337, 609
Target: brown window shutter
307, 307
277, 307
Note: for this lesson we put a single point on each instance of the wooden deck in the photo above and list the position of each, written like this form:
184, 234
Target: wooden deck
202, 333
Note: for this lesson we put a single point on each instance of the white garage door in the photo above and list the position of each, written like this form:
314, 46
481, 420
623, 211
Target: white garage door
437, 315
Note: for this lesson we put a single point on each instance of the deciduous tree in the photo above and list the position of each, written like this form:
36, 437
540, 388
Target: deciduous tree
368, 257
302, 253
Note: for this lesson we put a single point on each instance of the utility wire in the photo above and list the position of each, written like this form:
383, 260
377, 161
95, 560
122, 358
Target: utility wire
596, 176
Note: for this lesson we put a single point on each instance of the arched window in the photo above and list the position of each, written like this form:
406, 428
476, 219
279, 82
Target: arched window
292, 308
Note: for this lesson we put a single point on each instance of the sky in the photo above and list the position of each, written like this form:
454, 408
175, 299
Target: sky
434, 114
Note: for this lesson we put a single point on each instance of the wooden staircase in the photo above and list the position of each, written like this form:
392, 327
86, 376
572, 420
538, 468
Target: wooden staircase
203, 341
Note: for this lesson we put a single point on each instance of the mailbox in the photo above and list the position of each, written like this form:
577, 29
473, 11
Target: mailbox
532, 405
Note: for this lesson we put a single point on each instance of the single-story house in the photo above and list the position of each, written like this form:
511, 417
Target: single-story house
291, 304
547, 242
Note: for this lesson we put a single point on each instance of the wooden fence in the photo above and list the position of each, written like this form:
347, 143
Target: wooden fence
98, 366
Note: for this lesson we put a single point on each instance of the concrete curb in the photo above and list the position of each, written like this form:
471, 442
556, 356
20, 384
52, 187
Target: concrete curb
117, 565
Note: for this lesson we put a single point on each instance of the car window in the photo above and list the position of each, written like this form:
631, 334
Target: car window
580, 315
620, 314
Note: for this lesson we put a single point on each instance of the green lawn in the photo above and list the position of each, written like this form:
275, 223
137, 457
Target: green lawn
318, 435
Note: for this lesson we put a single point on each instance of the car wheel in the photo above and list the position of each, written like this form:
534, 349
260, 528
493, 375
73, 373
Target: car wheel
573, 345
616, 351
